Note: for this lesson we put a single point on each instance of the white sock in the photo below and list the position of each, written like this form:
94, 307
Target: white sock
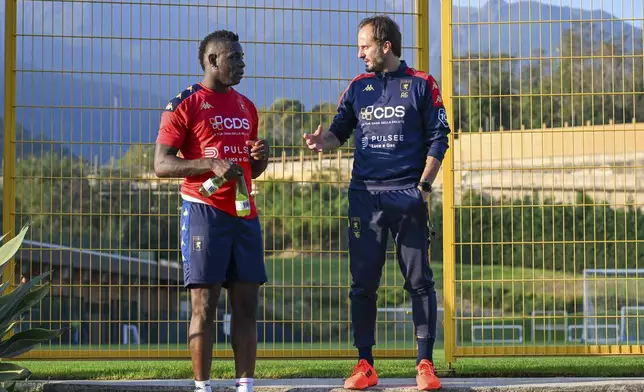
203, 386
244, 385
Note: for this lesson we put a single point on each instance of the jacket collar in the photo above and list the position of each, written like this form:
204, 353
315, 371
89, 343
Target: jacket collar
401, 71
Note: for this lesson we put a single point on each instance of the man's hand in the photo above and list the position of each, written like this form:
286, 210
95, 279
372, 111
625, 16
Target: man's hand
315, 141
258, 149
225, 169
432, 167
425, 194
259, 154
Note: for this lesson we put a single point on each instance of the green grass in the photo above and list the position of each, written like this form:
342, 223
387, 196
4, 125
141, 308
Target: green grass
398, 344
297, 282
515, 289
332, 269
479, 367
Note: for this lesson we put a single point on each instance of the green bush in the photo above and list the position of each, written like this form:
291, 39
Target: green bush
532, 233
12, 305
304, 216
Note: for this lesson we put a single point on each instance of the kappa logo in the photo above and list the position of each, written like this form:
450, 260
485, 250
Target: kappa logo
205, 105
437, 99
369, 88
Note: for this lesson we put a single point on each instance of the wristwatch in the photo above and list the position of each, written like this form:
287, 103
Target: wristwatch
425, 186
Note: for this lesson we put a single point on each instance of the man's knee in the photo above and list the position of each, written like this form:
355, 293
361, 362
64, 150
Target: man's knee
245, 314
204, 304
426, 287
244, 301
369, 291
419, 280
365, 282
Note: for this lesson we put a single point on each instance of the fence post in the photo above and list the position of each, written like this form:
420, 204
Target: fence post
9, 166
422, 35
447, 89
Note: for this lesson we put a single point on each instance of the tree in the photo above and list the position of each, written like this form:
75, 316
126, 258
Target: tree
53, 192
69, 204
322, 114
138, 159
486, 93
588, 81
596, 81
282, 123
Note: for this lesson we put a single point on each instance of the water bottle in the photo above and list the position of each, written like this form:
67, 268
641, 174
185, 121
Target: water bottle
211, 185
242, 200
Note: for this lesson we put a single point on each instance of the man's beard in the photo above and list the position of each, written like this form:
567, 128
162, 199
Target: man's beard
377, 63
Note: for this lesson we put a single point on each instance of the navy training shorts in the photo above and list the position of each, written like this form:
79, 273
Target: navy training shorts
218, 248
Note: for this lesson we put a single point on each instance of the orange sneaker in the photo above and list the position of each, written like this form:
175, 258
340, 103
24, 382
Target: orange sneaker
363, 376
426, 379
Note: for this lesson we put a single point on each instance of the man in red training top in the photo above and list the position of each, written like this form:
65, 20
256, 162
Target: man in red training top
215, 129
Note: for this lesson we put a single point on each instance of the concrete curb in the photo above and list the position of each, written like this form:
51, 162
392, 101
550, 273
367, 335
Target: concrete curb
335, 385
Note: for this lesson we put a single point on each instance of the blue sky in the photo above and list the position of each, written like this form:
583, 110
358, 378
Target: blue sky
174, 34
270, 64
619, 8
289, 53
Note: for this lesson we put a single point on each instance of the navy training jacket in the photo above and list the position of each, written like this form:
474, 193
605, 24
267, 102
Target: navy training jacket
399, 120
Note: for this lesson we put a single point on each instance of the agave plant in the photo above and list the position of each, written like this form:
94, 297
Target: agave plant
12, 305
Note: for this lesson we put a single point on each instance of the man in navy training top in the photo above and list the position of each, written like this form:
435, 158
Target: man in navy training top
400, 141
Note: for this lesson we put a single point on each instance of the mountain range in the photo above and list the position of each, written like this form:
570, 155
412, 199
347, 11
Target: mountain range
527, 28
84, 92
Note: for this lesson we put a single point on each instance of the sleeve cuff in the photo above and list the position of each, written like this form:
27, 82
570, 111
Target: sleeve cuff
339, 135
169, 142
436, 153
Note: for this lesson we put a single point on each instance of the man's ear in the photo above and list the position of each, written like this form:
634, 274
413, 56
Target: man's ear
386, 47
212, 59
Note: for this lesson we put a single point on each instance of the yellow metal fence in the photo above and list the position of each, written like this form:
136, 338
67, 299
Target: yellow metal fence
543, 198
87, 81
538, 207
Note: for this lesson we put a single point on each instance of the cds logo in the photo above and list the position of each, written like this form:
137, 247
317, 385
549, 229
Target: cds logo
219, 123
379, 113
